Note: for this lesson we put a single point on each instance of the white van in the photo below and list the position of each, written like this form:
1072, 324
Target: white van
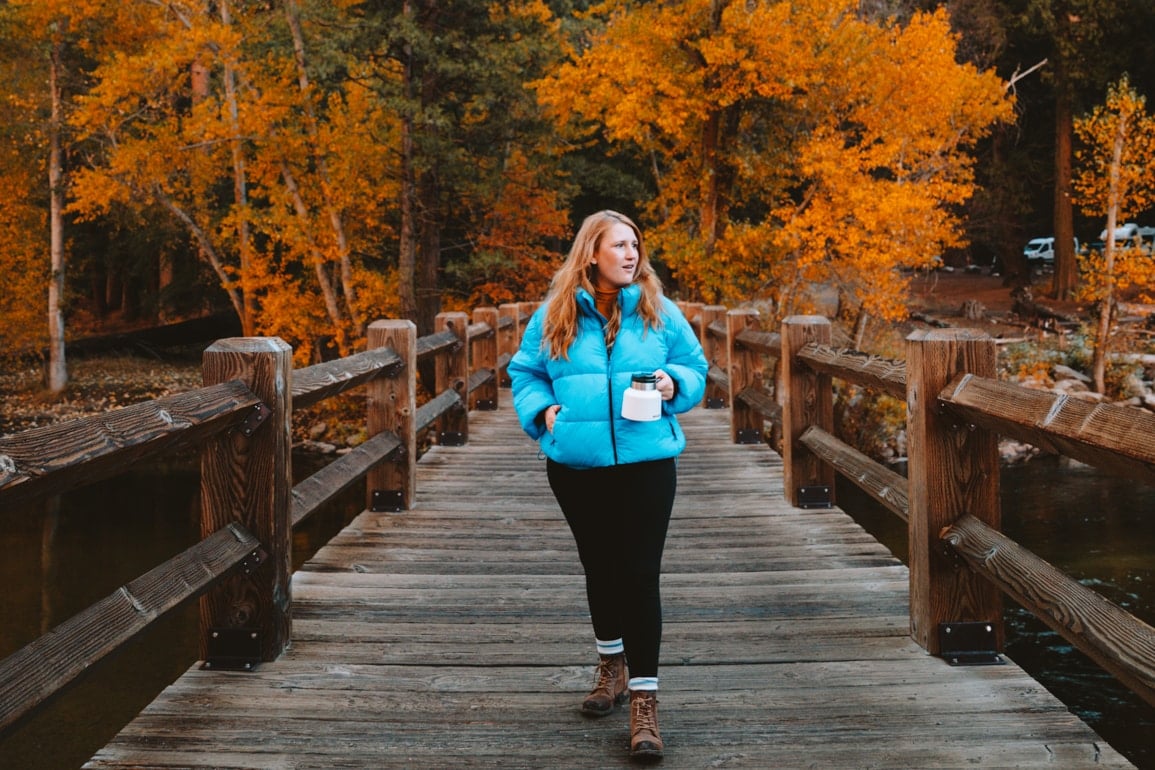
1132, 235
1041, 251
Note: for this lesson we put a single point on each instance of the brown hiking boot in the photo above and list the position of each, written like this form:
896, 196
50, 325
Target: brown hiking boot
610, 690
645, 742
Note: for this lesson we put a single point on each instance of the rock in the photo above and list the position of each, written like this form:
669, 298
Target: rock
318, 431
1063, 372
1070, 386
316, 447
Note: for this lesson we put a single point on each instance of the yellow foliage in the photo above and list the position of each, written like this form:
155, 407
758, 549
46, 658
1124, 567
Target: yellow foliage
1132, 276
513, 255
794, 142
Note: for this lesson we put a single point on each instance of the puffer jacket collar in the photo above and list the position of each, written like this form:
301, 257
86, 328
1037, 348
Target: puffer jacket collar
629, 298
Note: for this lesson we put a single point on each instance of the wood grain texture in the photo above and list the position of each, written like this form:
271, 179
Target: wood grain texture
1108, 634
883, 374
1109, 436
455, 635
70, 454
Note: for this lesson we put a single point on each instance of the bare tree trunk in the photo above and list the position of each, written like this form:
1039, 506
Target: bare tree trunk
336, 221
1066, 269
240, 193
57, 374
207, 251
1102, 335
861, 322
429, 251
407, 258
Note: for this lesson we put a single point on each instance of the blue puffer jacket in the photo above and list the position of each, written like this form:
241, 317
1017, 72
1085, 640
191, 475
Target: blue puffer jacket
590, 431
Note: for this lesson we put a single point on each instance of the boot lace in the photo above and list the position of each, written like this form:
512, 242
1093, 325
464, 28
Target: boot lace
645, 716
607, 675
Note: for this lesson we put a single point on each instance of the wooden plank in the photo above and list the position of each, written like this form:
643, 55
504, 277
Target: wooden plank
455, 634
41, 669
1109, 436
882, 374
329, 482
1112, 637
881, 483
70, 454
314, 384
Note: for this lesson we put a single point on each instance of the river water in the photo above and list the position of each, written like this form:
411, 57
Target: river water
62, 556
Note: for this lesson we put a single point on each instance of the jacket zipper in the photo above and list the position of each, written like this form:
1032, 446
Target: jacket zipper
610, 405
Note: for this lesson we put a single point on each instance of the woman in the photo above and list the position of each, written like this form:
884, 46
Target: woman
605, 320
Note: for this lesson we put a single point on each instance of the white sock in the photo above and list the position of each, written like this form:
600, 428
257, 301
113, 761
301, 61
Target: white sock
614, 647
646, 683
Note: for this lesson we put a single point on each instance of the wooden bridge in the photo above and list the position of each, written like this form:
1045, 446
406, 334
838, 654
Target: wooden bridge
446, 626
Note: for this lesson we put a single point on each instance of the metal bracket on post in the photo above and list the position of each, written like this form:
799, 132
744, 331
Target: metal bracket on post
387, 501
255, 559
715, 403
968, 644
255, 418
814, 497
485, 405
233, 649
451, 438
749, 436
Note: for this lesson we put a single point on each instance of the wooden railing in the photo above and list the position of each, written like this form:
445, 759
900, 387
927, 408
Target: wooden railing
241, 422
960, 563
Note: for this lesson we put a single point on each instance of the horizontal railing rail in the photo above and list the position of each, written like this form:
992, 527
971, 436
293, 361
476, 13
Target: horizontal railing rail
241, 420
956, 410
60, 457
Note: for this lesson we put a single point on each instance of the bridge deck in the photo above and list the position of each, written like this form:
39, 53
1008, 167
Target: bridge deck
455, 635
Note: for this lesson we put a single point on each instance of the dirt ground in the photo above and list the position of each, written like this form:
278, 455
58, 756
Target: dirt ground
942, 293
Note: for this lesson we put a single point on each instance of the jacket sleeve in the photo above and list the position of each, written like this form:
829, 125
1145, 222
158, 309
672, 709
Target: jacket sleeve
686, 363
529, 378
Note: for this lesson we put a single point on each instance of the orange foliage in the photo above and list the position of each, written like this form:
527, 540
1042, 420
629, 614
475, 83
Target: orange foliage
793, 142
513, 257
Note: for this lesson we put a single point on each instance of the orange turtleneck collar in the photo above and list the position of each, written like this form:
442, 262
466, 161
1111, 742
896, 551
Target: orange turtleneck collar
605, 299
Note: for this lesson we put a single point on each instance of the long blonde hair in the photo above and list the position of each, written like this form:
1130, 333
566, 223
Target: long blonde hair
561, 318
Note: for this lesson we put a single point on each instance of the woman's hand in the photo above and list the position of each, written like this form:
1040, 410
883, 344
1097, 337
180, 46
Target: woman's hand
551, 416
665, 384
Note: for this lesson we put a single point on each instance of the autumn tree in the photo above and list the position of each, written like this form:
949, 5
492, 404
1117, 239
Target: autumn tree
1086, 43
56, 40
1115, 181
472, 148
278, 180
792, 143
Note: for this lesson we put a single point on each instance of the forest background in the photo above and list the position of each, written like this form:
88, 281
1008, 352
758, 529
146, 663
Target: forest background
310, 166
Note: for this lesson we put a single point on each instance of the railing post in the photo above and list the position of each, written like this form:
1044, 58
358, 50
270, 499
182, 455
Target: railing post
392, 406
452, 371
952, 469
744, 370
483, 358
807, 399
508, 338
717, 355
246, 476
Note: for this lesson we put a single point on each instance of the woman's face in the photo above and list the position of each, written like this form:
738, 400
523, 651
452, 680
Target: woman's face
616, 260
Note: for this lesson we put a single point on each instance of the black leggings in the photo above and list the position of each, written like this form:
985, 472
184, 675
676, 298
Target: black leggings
619, 516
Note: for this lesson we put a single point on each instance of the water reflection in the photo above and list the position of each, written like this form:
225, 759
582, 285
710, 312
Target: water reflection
1100, 529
